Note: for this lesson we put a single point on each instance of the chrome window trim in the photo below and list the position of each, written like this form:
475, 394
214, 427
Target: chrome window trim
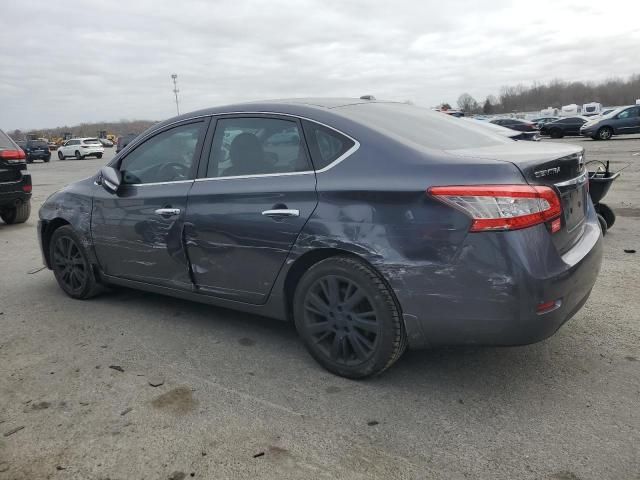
340, 159
156, 183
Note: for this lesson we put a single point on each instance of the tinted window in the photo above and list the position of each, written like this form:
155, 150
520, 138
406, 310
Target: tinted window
326, 145
37, 144
166, 157
92, 141
256, 146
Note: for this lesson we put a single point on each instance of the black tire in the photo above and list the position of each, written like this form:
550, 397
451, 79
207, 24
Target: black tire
595, 137
603, 224
70, 264
46, 160
353, 340
78, 156
29, 160
60, 155
556, 133
98, 155
605, 211
19, 214
605, 133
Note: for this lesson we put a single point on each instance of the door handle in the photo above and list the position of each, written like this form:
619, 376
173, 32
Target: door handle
167, 212
282, 212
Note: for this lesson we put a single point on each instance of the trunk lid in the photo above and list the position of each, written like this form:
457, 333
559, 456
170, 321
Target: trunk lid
557, 166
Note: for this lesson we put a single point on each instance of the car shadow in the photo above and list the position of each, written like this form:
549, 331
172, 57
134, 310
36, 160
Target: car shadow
485, 371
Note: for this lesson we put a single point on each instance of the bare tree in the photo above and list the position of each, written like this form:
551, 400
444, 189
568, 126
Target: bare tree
467, 103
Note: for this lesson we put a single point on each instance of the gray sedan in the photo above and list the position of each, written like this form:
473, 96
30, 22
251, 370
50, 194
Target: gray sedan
375, 226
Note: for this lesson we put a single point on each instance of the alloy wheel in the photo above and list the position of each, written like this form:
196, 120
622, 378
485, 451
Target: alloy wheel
341, 320
69, 264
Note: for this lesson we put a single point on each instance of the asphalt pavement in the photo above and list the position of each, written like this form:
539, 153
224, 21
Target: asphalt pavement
135, 385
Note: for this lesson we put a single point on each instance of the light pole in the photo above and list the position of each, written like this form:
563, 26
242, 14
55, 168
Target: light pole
175, 90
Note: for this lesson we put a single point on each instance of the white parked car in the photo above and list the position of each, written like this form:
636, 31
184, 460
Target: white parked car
81, 148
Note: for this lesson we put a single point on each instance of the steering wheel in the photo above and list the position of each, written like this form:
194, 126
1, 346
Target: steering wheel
173, 171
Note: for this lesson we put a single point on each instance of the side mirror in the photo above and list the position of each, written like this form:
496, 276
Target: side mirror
110, 179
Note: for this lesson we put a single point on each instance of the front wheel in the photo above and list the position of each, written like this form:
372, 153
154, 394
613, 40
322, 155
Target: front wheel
98, 155
71, 265
19, 214
348, 318
605, 133
60, 155
78, 156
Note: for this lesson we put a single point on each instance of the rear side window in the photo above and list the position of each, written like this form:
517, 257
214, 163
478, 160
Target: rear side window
256, 146
326, 145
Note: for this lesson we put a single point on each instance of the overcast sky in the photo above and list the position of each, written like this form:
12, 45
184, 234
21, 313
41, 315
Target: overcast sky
66, 62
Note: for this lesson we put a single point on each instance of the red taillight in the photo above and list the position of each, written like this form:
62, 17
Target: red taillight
13, 156
502, 207
26, 188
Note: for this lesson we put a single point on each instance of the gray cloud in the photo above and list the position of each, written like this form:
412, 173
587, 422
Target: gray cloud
67, 62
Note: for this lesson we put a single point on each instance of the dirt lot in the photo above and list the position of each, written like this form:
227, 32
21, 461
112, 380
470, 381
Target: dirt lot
240, 397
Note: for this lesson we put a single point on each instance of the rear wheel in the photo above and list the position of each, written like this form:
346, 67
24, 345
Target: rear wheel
98, 155
556, 133
46, 160
60, 155
605, 133
348, 318
71, 265
606, 213
19, 214
603, 224
78, 156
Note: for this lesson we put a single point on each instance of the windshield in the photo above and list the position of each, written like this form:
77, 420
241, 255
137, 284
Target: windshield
613, 113
421, 126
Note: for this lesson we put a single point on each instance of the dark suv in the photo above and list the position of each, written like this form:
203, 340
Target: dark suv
15, 183
36, 150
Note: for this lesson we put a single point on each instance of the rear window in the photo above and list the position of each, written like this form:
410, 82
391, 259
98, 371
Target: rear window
91, 141
37, 144
326, 145
421, 126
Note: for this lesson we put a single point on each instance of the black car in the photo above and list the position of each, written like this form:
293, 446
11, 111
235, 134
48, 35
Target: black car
376, 225
569, 126
15, 182
36, 150
124, 140
515, 124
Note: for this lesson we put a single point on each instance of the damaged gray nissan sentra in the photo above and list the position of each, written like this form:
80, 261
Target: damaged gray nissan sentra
372, 225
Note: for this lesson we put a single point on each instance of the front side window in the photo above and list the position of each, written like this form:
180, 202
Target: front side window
256, 146
166, 157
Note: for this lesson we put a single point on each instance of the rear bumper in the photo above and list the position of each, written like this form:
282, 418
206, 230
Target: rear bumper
39, 156
489, 295
12, 193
